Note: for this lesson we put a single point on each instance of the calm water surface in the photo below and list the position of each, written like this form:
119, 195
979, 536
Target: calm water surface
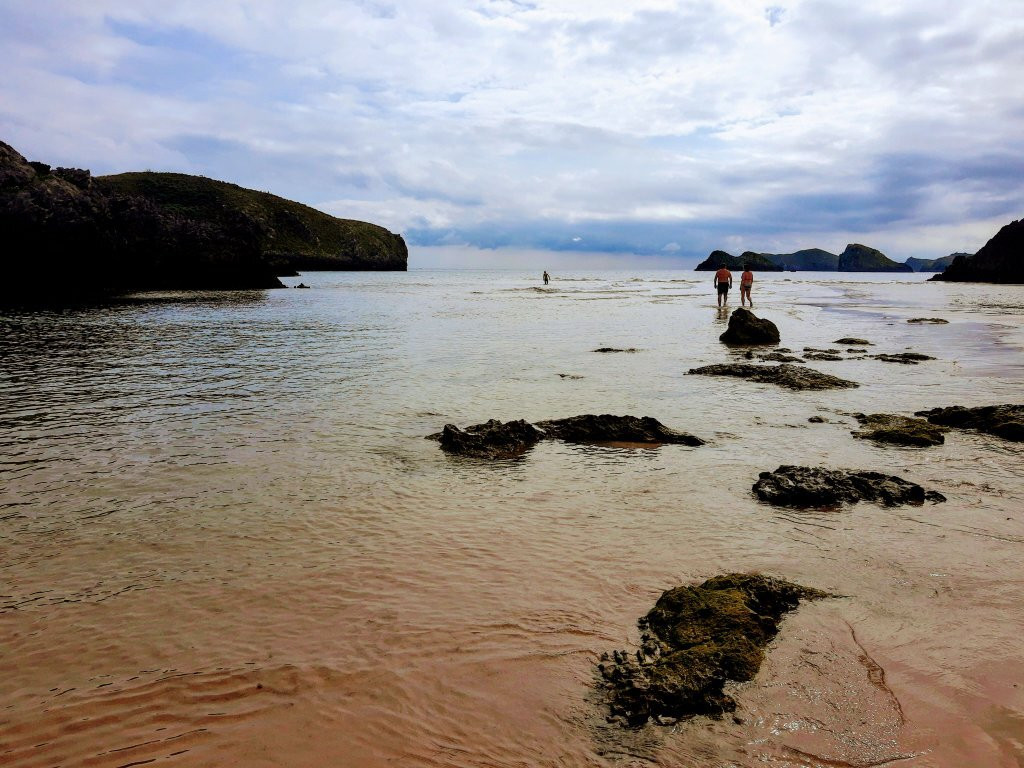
225, 541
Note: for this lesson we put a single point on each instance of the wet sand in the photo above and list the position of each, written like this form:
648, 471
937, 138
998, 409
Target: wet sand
224, 540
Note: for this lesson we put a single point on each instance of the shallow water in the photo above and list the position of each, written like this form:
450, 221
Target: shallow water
224, 539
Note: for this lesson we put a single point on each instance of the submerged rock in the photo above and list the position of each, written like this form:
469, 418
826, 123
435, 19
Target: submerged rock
791, 486
934, 320
906, 358
778, 357
849, 340
614, 349
693, 641
746, 328
827, 356
492, 440
784, 375
497, 440
1005, 421
899, 430
614, 429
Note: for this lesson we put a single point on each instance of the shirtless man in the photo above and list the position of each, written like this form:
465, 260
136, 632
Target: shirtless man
723, 281
746, 281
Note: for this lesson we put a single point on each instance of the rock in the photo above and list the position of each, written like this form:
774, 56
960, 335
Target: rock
849, 340
492, 440
784, 375
614, 429
614, 349
933, 320
932, 265
746, 328
791, 486
998, 261
778, 357
755, 261
861, 258
706, 635
816, 420
906, 358
822, 356
572, 376
302, 285
1005, 421
899, 430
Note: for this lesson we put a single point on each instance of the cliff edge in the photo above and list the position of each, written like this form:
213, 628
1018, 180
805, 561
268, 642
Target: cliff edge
1001, 260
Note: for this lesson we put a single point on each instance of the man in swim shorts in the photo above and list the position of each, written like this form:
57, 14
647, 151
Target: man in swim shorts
746, 281
723, 280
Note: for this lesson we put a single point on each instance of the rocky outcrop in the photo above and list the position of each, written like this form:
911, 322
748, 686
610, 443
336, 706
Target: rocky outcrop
1005, 421
905, 358
807, 260
851, 341
785, 375
745, 328
500, 440
755, 262
899, 430
614, 429
792, 486
694, 640
68, 236
861, 258
1001, 260
932, 265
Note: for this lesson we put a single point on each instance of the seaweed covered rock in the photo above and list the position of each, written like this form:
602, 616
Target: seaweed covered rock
693, 641
492, 440
747, 328
792, 486
899, 430
791, 376
853, 341
905, 358
607, 428
1005, 421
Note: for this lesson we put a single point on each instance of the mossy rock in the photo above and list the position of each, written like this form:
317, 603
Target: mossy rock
899, 430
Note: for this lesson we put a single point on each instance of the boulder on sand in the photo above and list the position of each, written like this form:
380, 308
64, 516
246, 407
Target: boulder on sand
899, 430
1005, 421
492, 440
614, 429
747, 328
693, 641
791, 486
791, 376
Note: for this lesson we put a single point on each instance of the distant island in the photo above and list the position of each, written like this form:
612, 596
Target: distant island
855, 258
69, 235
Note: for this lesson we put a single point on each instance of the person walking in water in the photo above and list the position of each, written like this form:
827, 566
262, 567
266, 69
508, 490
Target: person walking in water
723, 281
547, 277
746, 281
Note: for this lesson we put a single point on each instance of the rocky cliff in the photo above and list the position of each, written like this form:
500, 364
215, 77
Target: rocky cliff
932, 265
755, 261
861, 258
67, 235
1001, 260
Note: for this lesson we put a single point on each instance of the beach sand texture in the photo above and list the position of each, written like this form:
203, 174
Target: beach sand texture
225, 541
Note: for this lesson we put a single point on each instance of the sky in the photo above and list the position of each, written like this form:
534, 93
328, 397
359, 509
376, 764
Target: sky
564, 132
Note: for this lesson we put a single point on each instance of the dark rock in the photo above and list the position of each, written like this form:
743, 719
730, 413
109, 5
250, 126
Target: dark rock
816, 355
999, 261
906, 358
899, 430
302, 285
493, 440
791, 486
1005, 421
821, 351
861, 258
614, 349
784, 375
572, 376
746, 328
778, 357
702, 636
849, 340
933, 320
816, 420
756, 262
614, 429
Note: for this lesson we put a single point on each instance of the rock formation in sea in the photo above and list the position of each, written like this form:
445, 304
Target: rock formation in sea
501, 440
1001, 260
861, 258
932, 265
69, 236
756, 262
1005, 421
785, 375
746, 328
898, 430
792, 486
694, 640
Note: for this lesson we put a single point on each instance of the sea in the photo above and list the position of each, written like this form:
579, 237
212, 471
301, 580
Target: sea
226, 538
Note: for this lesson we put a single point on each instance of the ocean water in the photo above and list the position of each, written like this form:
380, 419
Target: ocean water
225, 540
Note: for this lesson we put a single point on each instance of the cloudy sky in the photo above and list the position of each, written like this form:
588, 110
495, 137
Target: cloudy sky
624, 131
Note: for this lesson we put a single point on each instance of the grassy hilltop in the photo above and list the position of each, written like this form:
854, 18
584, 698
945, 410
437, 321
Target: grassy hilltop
292, 237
